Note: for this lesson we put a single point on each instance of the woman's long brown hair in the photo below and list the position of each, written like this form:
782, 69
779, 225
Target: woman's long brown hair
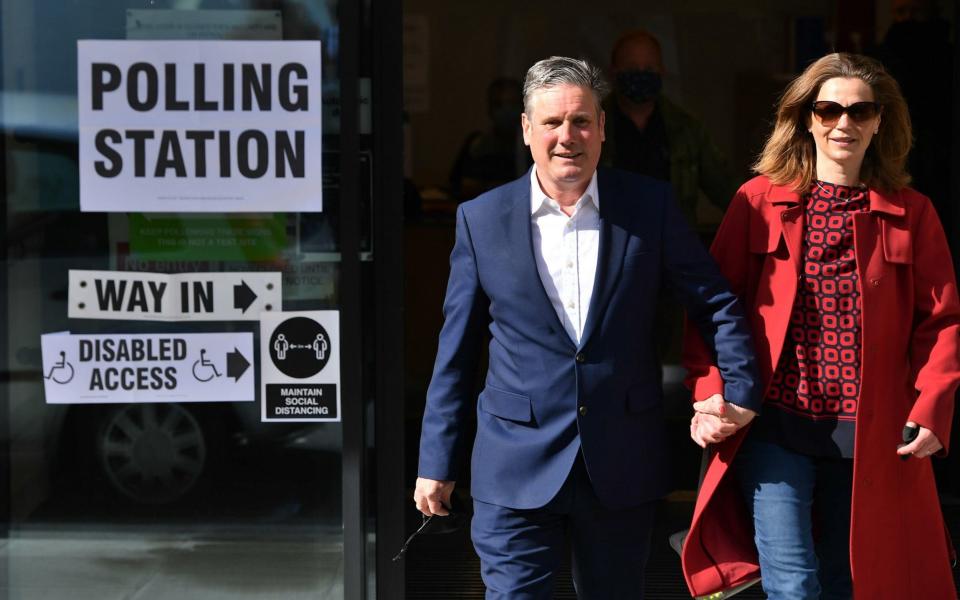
789, 157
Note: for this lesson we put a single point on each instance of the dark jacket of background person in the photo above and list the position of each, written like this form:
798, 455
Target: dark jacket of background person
899, 546
695, 162
497, 155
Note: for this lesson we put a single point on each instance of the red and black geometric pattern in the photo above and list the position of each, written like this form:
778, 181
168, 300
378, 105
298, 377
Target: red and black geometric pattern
818, 376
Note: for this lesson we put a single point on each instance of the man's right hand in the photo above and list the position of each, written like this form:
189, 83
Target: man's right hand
433, 497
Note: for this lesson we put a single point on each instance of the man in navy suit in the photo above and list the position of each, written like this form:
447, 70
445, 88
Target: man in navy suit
561, 269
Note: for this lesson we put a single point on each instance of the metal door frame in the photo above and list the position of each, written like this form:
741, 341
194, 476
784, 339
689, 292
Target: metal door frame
373, 487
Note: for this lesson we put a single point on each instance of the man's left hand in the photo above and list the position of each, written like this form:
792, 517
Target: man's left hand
432, 497
726, 411
707, 429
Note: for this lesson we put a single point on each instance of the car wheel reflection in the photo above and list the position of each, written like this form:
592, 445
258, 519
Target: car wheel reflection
152, 453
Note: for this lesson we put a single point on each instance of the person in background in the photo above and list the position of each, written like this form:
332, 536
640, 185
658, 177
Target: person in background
496, 156
649, 134
847, 279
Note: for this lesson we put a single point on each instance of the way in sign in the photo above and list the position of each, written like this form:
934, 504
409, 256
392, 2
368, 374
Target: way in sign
112, 296
185, 296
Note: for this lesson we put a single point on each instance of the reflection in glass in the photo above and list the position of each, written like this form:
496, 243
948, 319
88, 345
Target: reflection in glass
195, 500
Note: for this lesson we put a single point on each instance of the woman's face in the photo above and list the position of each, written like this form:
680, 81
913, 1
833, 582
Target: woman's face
844, 140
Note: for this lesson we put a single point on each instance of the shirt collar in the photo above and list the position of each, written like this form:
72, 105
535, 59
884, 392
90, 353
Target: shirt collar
538, 198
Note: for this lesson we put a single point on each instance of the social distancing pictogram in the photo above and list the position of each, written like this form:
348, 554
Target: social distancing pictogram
300, 366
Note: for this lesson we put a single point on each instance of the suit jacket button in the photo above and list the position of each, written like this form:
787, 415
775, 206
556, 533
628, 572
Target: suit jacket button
581, 357
583, 411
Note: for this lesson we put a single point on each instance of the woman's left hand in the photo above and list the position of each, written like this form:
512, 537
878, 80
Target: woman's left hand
922, 447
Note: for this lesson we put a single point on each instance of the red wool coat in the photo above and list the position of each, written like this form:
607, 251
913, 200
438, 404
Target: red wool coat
910, 371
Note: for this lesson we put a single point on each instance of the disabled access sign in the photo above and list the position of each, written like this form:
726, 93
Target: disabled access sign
167, 367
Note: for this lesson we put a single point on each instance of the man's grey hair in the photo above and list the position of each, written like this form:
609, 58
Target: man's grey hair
560, 70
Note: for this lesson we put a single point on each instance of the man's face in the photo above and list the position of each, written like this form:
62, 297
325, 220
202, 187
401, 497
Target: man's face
637, 70
564, 131
638, 55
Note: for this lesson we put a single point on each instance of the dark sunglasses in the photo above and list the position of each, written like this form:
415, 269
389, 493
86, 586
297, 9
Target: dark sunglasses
456, 520
829, 112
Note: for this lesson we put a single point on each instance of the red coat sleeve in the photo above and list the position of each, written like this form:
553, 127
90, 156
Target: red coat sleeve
934, 351
731, 251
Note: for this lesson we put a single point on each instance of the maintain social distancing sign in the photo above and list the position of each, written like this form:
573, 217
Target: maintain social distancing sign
300, 366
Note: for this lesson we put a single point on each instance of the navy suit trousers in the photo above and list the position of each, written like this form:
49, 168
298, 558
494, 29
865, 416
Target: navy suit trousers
521, 550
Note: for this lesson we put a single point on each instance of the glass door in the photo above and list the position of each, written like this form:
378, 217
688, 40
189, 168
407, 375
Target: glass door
201, 494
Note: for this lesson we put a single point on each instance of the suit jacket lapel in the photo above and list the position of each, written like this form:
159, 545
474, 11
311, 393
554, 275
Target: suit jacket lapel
517, 224
613, 245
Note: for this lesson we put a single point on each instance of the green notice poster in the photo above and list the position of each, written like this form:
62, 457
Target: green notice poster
213, 237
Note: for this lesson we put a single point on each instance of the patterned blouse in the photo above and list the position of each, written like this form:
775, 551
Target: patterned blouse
811, 405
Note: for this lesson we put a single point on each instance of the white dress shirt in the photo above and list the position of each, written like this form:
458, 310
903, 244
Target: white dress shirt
566, 251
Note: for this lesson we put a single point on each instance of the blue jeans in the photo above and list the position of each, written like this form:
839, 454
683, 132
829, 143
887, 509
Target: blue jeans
792, 495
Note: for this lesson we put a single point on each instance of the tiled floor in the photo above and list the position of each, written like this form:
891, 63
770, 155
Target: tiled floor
71, 564
266, 524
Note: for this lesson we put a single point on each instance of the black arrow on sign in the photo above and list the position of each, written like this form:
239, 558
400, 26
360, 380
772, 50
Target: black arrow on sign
236, 364
243, 296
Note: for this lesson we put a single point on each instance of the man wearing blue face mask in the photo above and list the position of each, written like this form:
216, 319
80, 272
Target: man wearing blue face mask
649, 134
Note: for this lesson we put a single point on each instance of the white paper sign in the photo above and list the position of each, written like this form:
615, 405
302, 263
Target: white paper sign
300, 366
199, 126
168, 367
139, 296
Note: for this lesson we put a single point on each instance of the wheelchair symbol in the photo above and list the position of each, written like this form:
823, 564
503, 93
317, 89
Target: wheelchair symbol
61, 372
203, 369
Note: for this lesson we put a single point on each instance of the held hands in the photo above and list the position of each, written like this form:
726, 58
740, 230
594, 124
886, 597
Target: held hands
433, 497
716, 419
924, 445
708, 429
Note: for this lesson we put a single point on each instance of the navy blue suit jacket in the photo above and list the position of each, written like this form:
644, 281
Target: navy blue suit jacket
544, 397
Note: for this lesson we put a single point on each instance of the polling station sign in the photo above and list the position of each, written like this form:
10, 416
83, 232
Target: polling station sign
199, 126
300, 366
139, 296
169, 367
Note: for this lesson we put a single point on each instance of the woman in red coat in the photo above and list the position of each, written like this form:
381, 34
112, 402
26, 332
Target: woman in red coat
847, 278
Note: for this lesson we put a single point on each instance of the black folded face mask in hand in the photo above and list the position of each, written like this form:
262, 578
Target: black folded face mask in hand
438, 524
